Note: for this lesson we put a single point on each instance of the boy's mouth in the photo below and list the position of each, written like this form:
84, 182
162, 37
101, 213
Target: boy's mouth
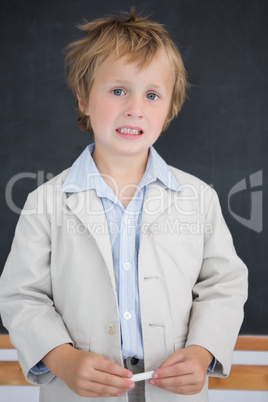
129, 130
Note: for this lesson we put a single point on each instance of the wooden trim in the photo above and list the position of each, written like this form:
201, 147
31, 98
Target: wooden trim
242, 377
11, 374
256, 343
5, 342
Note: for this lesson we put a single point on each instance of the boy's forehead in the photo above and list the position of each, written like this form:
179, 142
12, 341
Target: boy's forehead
160, 58
157, 74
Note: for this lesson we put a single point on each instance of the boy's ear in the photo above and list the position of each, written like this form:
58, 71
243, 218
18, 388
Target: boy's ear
81, 105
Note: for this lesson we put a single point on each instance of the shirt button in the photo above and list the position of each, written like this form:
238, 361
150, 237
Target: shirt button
126, 221
126, 266
110, 329
127, 315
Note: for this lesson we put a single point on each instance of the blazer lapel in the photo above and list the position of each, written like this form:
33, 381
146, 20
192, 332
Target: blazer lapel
89, 210
157, 200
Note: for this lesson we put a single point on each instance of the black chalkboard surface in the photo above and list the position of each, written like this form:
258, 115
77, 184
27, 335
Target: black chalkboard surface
219, 136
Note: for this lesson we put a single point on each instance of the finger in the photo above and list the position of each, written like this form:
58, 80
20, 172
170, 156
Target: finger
178, 369
110, 380
99, 389
107, 366
177, 357
178, 381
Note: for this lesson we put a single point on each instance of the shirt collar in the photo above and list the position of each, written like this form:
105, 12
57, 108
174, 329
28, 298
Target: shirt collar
84, 174
157, 169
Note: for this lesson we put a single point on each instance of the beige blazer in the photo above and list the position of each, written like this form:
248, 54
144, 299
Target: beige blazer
58, 284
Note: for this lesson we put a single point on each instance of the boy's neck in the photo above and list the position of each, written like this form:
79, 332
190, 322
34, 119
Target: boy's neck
120, 166
121, 173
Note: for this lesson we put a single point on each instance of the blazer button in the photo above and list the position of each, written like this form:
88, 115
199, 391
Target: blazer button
149, 231
111, 329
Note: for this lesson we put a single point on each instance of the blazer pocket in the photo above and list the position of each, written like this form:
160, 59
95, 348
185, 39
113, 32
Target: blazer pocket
179, 342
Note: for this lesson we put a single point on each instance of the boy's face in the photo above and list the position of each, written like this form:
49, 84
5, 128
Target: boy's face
128, 107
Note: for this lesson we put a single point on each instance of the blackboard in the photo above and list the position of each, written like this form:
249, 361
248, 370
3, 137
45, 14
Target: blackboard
219, 136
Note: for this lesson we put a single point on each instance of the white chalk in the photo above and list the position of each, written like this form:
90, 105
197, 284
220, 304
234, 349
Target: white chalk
142, 376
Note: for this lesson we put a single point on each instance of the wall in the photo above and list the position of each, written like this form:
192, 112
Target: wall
220, 134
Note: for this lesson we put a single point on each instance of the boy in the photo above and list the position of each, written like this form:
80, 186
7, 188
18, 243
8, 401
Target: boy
122, 264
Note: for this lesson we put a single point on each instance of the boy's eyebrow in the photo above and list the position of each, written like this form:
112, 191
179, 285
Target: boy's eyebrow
117, 81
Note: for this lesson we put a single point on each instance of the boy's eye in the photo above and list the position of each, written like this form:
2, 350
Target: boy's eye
152, 96
118, 92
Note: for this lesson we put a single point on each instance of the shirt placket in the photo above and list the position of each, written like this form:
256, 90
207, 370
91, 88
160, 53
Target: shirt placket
127, 274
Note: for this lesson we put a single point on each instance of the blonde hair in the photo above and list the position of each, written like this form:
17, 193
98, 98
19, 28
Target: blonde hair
133, 36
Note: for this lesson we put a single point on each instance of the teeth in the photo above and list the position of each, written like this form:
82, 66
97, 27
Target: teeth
129, 131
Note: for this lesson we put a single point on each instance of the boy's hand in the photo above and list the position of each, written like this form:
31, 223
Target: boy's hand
184, 372
88, 374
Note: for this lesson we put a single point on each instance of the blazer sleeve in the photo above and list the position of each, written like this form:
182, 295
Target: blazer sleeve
219, 293
26, 295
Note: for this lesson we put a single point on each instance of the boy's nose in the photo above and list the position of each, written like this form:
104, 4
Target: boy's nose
134, 108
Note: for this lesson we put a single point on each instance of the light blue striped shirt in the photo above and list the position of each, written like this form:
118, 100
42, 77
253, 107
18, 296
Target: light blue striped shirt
124, 230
